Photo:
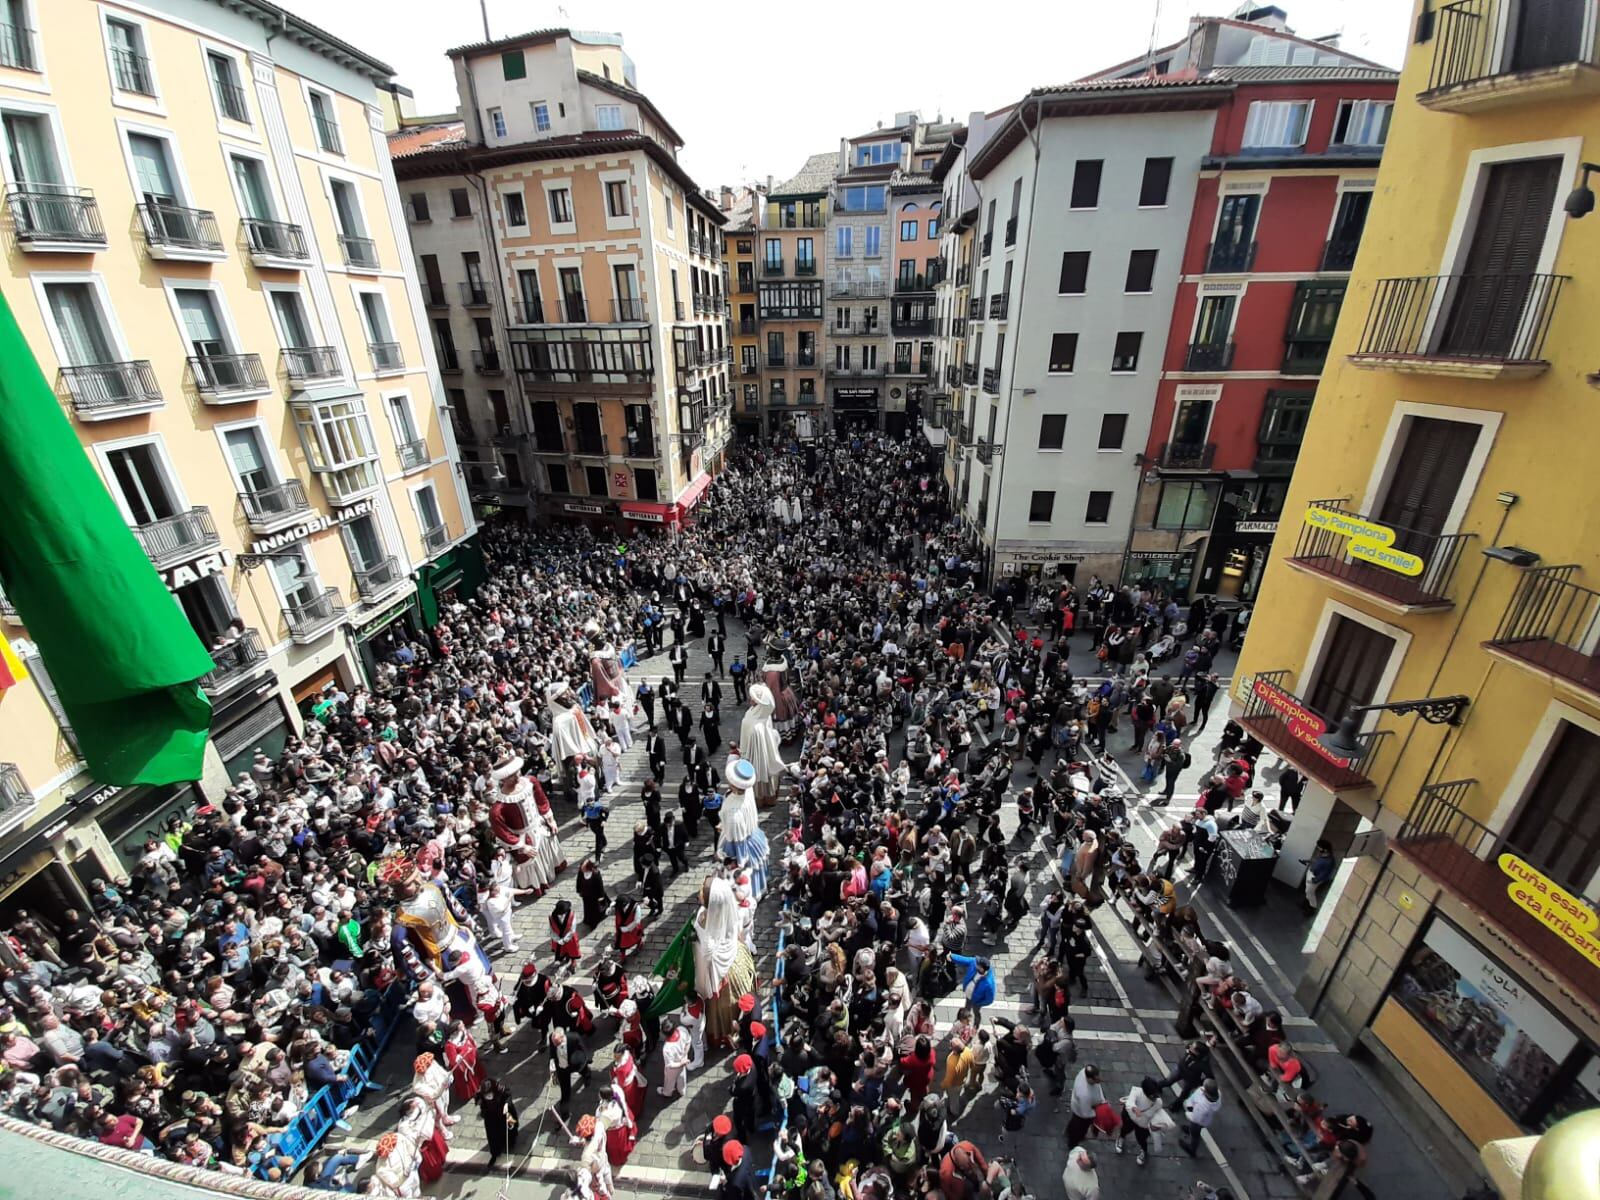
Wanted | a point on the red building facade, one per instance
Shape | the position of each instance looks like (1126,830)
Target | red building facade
(1277,219)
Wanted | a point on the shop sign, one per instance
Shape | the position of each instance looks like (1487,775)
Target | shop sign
(1303,724)
(1158,555)
(94,795)
(583,508)
(185,574)
(1563,914)
(266,545)
(1255,527)
(656,517)
(1369,541)
(46,834)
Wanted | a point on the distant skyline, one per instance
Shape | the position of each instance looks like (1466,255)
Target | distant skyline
(754,92)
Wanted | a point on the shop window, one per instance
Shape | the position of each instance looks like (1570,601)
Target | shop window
(1186,504)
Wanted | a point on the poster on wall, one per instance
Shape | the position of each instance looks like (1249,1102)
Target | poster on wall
(1489,1020)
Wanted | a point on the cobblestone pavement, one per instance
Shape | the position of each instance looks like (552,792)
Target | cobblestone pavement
(1125,1025)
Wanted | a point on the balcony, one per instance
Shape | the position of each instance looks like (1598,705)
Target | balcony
(187,234)
(1208,356)
(988,243)
(905,367)
(1186,456)
(865,289)
(627,311)
(1280,720)
(591,445)
(435,540)
(178,538)
(984,452)
(1465,326)
(310,619)
(308,364)
(858,329)
(912,325)
(991,380)
(749,368)
(1339,254)
(639,443)
(1304,356)
(235,662)
(771,267)
(413,455)
(858,370)
(747,286)
(969,373)
(1011,231)
(106,390)
(487,362)
(275,244)
(474,293)
(1230,258)
(16,47)
(16,801)
(958,327)
(327,134)
(449,362)
(1276,459)
(747,326)
(1489,55)
(908,281)
(805,266)
(1552,626)
(271,508)
(1344,550)
(378,580)
(999,307)
(386,358)
(228,378)
(132,72)
(1463,855)
(51,217)
(433,295)
(975,308)
(360,253)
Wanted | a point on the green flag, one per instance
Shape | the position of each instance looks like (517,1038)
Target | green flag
(676,969)
(121,655)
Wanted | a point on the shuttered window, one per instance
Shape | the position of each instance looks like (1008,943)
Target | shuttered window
(1426,479)
(1354,657)
(1558,829)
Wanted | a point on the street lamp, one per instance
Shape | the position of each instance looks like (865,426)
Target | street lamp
(1436,710)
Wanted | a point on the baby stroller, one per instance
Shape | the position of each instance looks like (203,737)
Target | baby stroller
(1163,648)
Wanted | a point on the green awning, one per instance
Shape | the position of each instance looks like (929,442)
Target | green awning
(461,567)
(123,659)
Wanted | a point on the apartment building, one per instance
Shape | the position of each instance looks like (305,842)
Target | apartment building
(207,255)
(1283,197)
(915,206)
(1424,649)
(739,265)
(579,295)
(790,236)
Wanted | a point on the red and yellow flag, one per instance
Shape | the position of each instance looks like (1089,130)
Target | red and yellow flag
(12,672)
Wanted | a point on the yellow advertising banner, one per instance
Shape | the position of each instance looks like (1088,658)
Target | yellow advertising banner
(1385,556)
(1369,541)
(1567,916)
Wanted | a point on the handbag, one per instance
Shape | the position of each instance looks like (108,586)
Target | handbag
(1106,1119)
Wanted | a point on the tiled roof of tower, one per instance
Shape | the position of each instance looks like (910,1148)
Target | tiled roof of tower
(634,94)
(1135,83)
(816,176)
(531,38)
(426,137)
(1304,74)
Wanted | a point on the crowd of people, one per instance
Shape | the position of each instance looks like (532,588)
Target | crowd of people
(197,1007)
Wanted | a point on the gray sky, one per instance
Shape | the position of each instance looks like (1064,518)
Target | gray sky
(754,89)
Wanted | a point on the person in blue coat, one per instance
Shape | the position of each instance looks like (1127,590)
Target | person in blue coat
(978,982)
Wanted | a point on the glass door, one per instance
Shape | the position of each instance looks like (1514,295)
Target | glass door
(250,465)
(143,483)
(77,319)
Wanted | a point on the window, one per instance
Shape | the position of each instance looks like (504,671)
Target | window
(571,283)
(1098,510)
(1349,220)
(1186,504)
(1052,431)
(325,123)
(1125,355)
(253,467)
(1141,271)
(337,439)
(557,474)
(872,242)
(449,359)
(385,350)
(1362,123)
(1430,467)
(1113,428)
(1040,507)
(203,327)
(1074,272)
(1558,827)
(560,206)
(516,210)
(863,198)
(528,295)
(617,197)
(460,202)
(1157,178)
(130,62)
(644,483)
(1353,660)
(225,86)
(1283,426)
(933,228)
(142,482)
(418,202)
(908,231)
(877,154)
(1312,318)
(497,122)
(81,325)
(513,65)
(594,480)
(541,116)
(1232,248)
(1277,124)
(608,116)
(773,256)
(1063,352)
(294,329)
(429,519)
(843,242)
(1086,183)
(805,256)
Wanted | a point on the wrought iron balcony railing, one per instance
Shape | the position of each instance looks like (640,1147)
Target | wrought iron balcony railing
(436,539)
(1208,356)
(991,380)
(1339,254)
(268,508)
(305,364)
(236,661)
(999,307)
(1282,720)
(169,227)
(379,579)
(275,241)
(184,535)
(1341,547)
(413,454)
(1477,41)
(52,214)
(359,252)
(1553,625)
(1187,456)
(386,356)
(223,377)
(310,620)
(1230,258)
(1490,319)
(474,294)
(106,389)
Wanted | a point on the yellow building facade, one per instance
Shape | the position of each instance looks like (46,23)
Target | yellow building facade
(1439,544)
(203,245)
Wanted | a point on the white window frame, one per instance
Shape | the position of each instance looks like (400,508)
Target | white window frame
(102,295)
(241,69)
(307,310)
(269,459)
(1202,293)
(505,212)
(1077,349)
(1475,179)
(417,489)
(119,98)
(331,175)
(1388,458)
(1530,767)
(629,219)
(219,305)
(1372,105)
(497,121)
(306,89)
(1391,670)
(22,79)
(1122,449)
(52,116)
(1271,106)
(102,453)
(388,398)
(357,290)
(313,575)
(231,152)
(844,242)
(1190,391)
(1123,371)
(180,173)
(564,183)
(533,111)
(557,265)
(599,122)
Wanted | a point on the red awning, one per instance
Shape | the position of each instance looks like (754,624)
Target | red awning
(651,513)
(691,494)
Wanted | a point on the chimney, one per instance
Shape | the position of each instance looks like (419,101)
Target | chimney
(769,184)
(727,198)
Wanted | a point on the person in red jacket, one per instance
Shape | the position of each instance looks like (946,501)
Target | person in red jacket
(917,1068)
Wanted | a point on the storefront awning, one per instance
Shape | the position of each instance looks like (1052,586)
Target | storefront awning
(649,512)
(690,496)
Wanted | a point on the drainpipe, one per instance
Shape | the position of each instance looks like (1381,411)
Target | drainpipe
(1016,342)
